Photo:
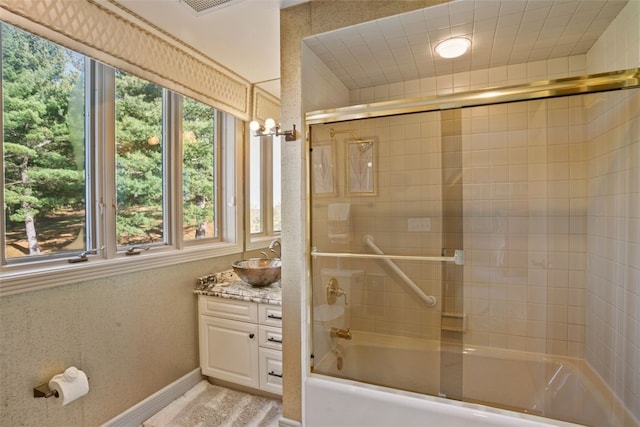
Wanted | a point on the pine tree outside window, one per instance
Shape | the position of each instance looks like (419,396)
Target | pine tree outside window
(43,96)
(200,147)
(99,164)
(140,195)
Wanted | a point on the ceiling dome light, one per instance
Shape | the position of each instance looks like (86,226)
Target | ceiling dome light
(452,48)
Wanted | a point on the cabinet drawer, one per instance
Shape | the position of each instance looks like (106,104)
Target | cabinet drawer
(270,337)
(270,315)
(270,370)
(244,311)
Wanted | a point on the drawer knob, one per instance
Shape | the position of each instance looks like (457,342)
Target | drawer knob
(251,336)
(273,374)
(271,339)
(273,316)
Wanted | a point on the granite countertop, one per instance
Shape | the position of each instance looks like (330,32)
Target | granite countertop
(227,284)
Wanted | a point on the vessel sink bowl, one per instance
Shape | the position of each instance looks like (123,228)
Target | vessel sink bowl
(258,272)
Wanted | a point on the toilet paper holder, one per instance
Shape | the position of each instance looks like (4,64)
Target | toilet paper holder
(43,390)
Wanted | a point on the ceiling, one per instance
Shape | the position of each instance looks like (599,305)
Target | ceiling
(502,32)
(244,36)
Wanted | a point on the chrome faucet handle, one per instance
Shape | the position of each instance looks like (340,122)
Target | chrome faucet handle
(272,247)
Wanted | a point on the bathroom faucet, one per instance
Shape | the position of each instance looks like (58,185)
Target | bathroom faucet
(334,291)
(276,243)
(340,333)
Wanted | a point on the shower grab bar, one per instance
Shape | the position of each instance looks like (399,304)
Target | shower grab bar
(430,300)
(457,259)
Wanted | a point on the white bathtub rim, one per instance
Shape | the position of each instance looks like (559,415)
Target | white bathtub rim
(405,342)
(589,374)
(470,409)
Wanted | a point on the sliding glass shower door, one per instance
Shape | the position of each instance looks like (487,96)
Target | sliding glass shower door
(449,251)
(386,233)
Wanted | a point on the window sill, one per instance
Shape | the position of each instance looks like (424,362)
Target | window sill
(34,279)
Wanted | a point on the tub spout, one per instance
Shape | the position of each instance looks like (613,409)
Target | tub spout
(341,333)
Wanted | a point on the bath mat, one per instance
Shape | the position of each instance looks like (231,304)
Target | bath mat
(208,405)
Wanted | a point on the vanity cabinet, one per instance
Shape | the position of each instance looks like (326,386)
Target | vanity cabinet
(241,342)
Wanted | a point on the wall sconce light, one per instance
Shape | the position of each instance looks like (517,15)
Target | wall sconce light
(270,127)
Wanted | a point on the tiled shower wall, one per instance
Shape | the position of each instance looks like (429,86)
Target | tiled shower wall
(407,164)
(524,195)
(524,175)
(613,242)
(498,314)
(613,228)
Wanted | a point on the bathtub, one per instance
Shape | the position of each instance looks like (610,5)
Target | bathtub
(523,389)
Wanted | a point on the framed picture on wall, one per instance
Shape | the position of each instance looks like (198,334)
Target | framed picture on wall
(323,171)
(361,168)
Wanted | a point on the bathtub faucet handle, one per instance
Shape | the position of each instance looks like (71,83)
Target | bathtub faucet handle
(334,291)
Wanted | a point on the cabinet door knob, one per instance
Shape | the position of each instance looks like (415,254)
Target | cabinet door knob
(251,336)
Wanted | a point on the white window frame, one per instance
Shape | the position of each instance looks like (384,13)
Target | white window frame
(46,272)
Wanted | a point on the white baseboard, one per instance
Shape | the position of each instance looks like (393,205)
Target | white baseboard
(288,422)
(136,415)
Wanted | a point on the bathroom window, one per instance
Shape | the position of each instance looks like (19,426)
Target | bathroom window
(200,156)
(264,189)
(140,160)
(100,164)
(44,180)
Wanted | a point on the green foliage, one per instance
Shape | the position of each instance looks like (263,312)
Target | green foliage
(44,143)
(59,188)
(138,113)
(139,179)
(42,90)
(198,165)
(139,175)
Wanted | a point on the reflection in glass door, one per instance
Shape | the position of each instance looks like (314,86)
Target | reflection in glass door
(382,249)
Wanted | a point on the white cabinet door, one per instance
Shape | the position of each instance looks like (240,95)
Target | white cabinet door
(229,350)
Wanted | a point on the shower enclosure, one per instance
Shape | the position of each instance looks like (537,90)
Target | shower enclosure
(470,247)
